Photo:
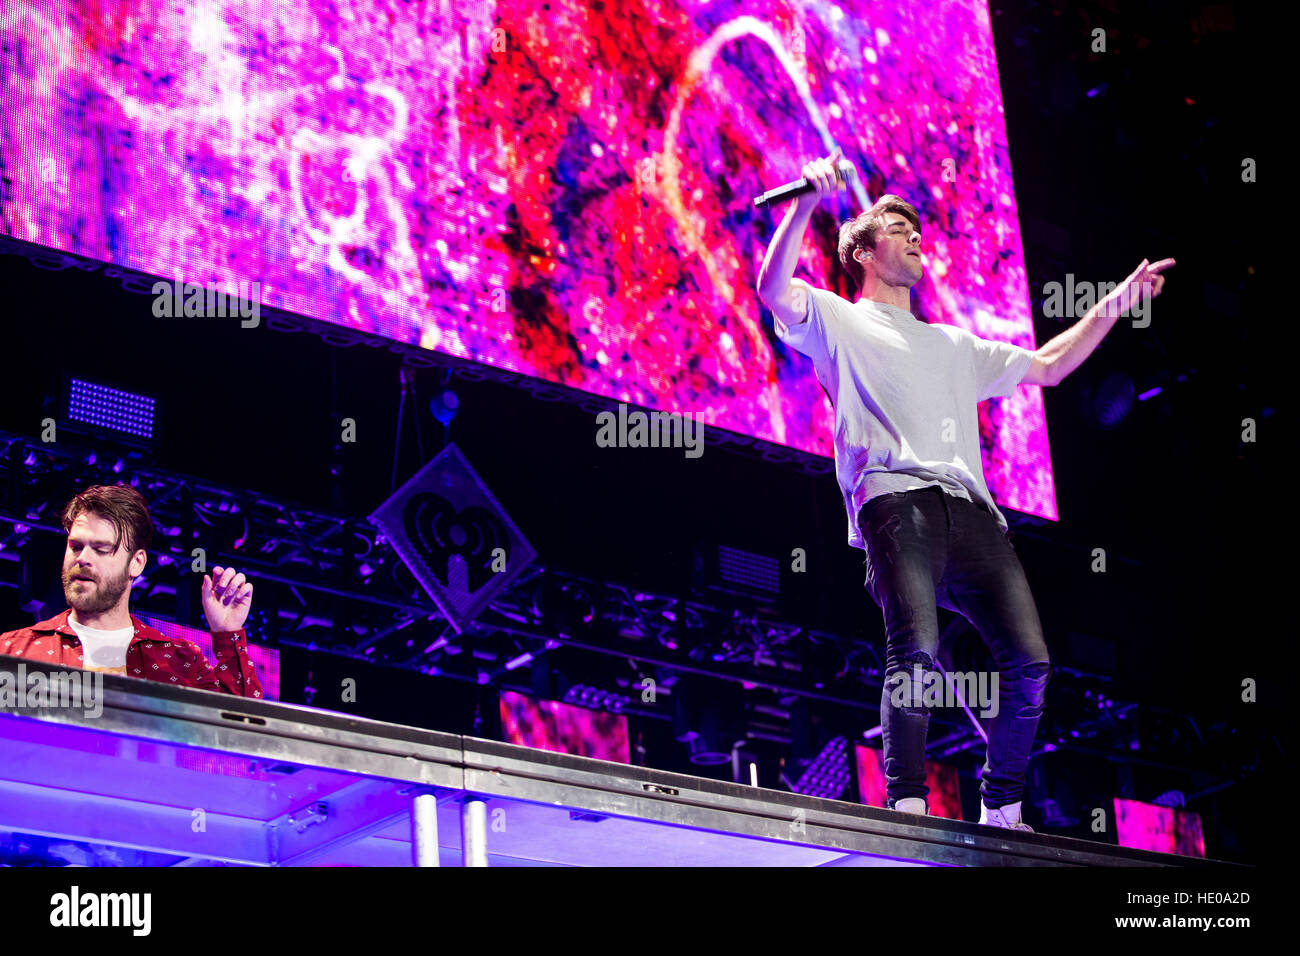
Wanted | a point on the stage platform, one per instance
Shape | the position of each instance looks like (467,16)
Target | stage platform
(168,776)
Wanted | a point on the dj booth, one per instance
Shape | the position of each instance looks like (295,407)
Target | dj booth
(160,775)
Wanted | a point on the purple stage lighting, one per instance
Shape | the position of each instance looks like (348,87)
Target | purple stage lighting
(111,409)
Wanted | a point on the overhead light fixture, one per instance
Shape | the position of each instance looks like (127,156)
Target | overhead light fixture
(111,412)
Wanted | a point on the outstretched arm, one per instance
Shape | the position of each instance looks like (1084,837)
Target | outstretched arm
(1066,352)
(227,599)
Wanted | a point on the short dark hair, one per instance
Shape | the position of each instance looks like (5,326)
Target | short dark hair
(861,231)
(120,505)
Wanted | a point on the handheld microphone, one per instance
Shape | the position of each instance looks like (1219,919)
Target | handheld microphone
(799,187)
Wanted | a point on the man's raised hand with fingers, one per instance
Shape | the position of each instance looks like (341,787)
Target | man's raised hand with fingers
(787,301)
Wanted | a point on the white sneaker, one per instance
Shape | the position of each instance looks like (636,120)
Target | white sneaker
(912,805)
(1007,817)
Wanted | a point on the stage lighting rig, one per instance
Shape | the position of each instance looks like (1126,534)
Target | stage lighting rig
(709,717)
(596,698)
(111,414)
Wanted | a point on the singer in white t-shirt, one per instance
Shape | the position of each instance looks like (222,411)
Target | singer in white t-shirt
(914,492)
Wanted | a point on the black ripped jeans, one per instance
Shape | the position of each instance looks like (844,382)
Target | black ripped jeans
(926,547)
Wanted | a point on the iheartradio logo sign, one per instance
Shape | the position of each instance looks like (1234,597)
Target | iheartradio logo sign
(454,537)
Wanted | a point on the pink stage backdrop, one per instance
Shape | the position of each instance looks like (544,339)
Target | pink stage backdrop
(563,728)
(945,791)
(562,190)
(1163,829)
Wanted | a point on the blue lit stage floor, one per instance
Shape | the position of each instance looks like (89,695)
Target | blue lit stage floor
(170,776)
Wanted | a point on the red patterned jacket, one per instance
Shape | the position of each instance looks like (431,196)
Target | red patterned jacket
(151,655)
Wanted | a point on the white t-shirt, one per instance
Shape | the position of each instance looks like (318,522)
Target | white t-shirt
(103,650)
(904,394)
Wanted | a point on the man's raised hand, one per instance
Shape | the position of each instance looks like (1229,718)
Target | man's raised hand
(825,176)
(1143,284)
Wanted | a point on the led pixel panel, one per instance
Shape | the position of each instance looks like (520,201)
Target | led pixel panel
(560,190)
(563,728)
(945,791)
(112,409)
(1146,826)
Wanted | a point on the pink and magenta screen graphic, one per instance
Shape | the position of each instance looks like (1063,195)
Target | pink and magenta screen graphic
(563,728)
(1147,826)
(944,799)
(560,190)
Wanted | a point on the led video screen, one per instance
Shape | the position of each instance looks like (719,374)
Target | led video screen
(1146,826)
(563,728)
(945,792)
(562,190)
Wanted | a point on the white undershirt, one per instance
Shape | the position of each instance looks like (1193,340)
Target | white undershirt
(103,650)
